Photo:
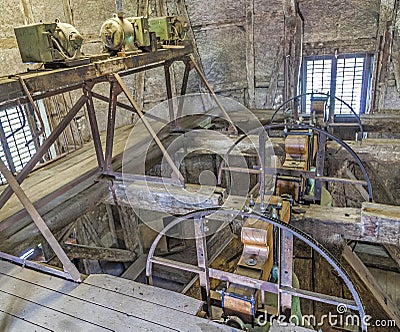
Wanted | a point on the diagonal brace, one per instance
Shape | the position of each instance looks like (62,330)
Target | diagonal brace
(37,219)
(153,134)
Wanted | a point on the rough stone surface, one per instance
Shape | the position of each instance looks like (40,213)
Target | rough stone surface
(220,32)
(339,20)
(200,12)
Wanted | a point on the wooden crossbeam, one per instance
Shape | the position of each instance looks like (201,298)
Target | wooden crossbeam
(98,253)
(394,253)
(369,281)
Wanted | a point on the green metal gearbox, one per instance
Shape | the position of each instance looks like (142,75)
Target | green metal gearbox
(48,42)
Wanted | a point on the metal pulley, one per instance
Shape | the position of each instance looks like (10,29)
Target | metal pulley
(67,40)
(117,34)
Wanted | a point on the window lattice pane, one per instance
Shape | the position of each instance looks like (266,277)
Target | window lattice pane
(318,78)
(18,137)
(349,83)
(349,72)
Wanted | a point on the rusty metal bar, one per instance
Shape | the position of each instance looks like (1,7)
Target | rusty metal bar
(39,222)
(127,107)
(6,194)
(320,162)
(242,170)
(167,73)
(94,128)
(166,155)
(115,90)
(208,86)
(35,109)
(314,296)
(117,176)
(34,266)
(188,68)
(46,83)
(6,149)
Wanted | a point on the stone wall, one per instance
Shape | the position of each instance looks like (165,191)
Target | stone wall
(230,36)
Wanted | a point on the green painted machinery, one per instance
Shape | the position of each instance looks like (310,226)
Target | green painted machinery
(48,42)
(169,29)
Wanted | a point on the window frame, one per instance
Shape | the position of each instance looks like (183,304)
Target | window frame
(365,85)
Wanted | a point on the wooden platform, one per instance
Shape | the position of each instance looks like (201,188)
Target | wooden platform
(33,301)
(59,173)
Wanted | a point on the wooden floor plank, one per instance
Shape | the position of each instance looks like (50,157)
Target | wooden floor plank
(75,307)
(153,294)
(55,175)
(9,322)
(43,316)
(108,301)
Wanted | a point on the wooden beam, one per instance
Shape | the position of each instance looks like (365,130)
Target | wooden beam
(381,222)
(250,59)
(170,199)
(98,253)
(369,281)
(375,223)
(387,123)
(394,253)
(16,239)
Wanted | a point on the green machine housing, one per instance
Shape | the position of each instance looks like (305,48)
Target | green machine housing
(34,42)
(141,30)
(48,42)
(168,28)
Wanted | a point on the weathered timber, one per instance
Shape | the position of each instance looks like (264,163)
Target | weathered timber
(387,123)
(373,223)
(369,281)
(58,217)
(43,82)
(381,222)
(380,150)
(98,253)
(250,59)
(136,268)
(377,262)
(394,253)
(170,199)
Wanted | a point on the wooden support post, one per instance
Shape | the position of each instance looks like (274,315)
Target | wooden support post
(202,261)
(285,271)
(111,224)
(37,219)
(369,281)
(293,50)
(250,60)
(90,230)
